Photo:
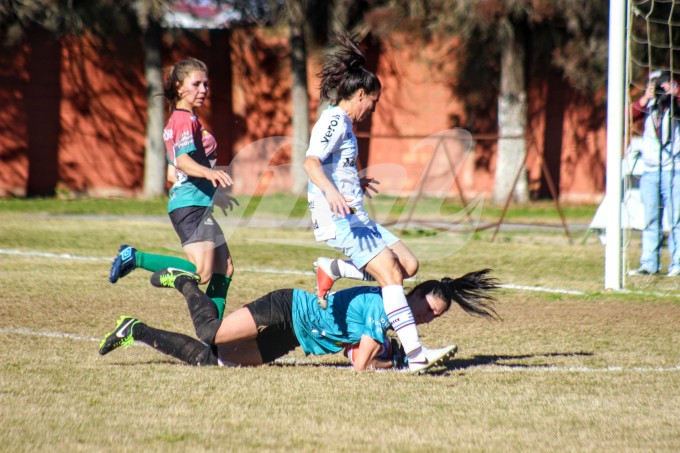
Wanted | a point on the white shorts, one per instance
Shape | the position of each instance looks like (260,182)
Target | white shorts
(360,240)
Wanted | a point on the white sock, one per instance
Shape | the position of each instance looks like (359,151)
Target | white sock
(400,316)
(348,270)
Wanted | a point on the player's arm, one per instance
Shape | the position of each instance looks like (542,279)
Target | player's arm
(314,169)
(365,357)
(218,178)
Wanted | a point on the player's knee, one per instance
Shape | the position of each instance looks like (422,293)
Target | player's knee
(393,275)
(412,267)
(205,274)
(206,332)
(204,357)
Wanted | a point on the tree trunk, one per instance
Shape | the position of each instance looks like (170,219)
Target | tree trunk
(43,99)
(155,165)
(299,95)
(512,113)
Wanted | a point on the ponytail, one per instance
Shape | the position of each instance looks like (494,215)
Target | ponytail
(472,292)
(343,72)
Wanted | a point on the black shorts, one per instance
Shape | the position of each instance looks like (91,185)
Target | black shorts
(273,315)
(196,224)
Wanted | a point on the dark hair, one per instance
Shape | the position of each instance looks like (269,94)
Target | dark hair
(471,292)
(176,76)
(343,72)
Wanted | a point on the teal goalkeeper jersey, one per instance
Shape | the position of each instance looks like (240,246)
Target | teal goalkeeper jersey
(351,313)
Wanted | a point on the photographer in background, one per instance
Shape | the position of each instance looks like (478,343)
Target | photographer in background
(660,181)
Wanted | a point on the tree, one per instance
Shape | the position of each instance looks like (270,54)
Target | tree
(149,15)
(504,37)
(299,91)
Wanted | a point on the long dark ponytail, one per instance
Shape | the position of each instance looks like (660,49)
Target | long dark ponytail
(343,72)
(472,291)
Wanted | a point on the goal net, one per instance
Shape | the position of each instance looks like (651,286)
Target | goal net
(652,46)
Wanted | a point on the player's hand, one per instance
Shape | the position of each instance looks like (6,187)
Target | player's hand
(225,201)
(219,178)
(337,203)
(367,184)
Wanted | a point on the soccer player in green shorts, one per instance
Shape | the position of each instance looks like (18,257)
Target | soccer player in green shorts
(275,324)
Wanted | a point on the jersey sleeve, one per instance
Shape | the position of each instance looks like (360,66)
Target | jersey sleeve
(326,136)
(179,139)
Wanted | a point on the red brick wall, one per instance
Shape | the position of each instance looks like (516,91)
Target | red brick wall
(102,111)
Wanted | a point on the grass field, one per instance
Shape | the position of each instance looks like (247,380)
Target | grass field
(570,367)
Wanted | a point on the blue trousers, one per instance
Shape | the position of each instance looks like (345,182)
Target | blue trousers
(660,193)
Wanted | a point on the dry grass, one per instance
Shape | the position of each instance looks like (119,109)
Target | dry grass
(592,372)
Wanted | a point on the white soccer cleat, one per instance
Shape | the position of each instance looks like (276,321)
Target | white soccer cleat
(432,357)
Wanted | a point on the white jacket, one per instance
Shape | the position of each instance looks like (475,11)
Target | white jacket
(652,152)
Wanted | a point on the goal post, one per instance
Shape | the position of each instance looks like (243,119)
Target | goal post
(616,95)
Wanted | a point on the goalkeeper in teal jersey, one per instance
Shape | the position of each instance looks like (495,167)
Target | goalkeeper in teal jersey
(275,324)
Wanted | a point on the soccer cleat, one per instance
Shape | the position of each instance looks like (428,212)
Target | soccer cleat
(324,280)
(168,278)
(122,264)
(433,357)
(121,336)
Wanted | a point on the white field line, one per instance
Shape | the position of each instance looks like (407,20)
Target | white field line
(275,271)
(295,361)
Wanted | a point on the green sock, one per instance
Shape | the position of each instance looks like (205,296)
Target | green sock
(217,291)
(154,263)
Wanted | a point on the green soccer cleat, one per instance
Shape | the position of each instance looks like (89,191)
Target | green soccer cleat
(170,277)
(121,336)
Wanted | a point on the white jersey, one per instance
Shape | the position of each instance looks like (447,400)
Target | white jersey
(334,144)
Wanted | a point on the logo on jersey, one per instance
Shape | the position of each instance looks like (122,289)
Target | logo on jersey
(348,162)
(167,135)
(335,120)
(310,204)
(185,140)
(315,225)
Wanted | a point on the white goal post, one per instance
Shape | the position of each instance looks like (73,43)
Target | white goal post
(616,95)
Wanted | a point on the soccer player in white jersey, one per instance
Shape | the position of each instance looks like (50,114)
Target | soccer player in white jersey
(335,196)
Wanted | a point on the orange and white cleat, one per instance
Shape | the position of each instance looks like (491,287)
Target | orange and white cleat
(324,279)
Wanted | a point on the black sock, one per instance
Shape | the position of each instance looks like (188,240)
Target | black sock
(177,345)
(202,309)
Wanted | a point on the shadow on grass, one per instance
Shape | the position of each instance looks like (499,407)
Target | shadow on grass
(482,360)
(451,366)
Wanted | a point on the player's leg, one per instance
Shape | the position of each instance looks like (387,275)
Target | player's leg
(177,345)
(202,254)
(129,259)
(329,270)
(388,273)
(209,327)
(202,309)
(240,353)
(223,270)
(408,263)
